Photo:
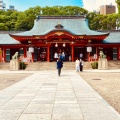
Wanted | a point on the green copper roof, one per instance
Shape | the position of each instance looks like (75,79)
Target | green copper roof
(114,37)
(76,26)
(6,39)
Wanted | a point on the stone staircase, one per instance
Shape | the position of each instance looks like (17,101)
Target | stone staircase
(52,66)
(114,64)
(36,66)
(4,66)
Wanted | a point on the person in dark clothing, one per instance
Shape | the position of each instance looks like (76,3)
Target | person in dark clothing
(61,57)
(81,65)
(59,66)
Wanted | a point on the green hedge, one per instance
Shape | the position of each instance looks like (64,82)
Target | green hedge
(22,65)
(94,65)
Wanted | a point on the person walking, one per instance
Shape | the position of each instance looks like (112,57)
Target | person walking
(60,56)
(81,65)
(81,55)
(63,56)
(59,66)
(77,65)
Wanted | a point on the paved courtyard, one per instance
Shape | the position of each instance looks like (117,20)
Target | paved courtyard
(45,96)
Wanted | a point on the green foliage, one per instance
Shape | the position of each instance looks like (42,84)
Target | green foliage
(103,22)
(94,65)
(8,19)
(15,20)
(118,5)
(119,9)
(22,65)
(3,27)
(66,10)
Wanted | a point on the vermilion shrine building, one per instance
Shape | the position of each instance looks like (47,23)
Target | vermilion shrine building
(70,34)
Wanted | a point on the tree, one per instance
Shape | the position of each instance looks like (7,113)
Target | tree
(8,18)
(15,20)
(103,22)
(21,23)
(25,20)
(3,27)
(118,5)
(66,10)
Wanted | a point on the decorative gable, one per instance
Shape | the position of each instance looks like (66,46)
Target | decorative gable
(59,26)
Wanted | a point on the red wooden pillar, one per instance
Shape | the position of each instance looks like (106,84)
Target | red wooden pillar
(118,54)
(1,52)
(88,54)
(72,49)
(33,56)
(4,53)
(97,52)
(48,53)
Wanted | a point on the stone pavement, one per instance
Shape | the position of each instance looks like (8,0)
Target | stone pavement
(45,96)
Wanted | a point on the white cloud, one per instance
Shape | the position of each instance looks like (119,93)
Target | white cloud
(89,5)
(95,4)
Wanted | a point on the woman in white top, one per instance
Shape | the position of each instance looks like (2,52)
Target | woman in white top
(77,63)
(55,56)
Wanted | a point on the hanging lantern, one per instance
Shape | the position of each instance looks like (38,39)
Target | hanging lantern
(64,44)
(89,46)
(29,41)
(89,49)
(31,49)
(56,45)
(72,42)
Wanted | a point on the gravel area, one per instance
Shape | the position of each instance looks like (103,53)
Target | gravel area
(107,85)
(8,79)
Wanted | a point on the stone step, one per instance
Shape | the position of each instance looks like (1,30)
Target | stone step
(52,66)
(114,64)
(35,66)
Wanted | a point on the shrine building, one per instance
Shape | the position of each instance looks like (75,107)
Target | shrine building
(51,34)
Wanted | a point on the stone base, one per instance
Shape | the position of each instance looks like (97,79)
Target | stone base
(102,64)
(14,64)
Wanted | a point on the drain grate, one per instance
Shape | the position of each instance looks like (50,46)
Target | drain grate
(96,79)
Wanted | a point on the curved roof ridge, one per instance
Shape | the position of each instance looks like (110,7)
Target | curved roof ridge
(112,38)
(76,26)
(51,30)
(6,39)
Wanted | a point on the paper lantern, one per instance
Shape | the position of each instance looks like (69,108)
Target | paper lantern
(31,49)
(56,45)
(89,49)
(64,44)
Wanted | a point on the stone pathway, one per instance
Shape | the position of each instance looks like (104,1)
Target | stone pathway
(45,96)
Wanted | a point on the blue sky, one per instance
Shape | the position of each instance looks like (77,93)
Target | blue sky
(22,5)
(90,5)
